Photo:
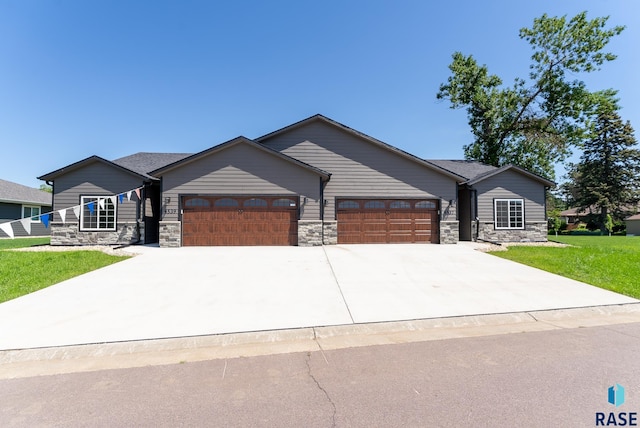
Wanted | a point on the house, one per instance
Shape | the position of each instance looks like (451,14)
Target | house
(17,202)
(315,182)
(633,225)
(577,214)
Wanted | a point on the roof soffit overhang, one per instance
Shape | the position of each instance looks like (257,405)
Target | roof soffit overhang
(24,202)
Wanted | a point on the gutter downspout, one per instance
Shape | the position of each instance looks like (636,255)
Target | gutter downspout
(142,211)
(323,183)
(475,212)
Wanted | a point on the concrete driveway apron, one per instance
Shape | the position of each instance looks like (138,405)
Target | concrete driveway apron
(199,291)
(402,282)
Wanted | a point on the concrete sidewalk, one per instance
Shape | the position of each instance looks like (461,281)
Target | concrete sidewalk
(183,292)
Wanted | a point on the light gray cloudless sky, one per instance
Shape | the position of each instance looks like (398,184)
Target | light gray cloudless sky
(115,77)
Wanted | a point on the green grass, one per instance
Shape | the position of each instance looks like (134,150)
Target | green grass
(609,262)
(6,244)
(25,272)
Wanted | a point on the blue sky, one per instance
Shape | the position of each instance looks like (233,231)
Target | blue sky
(112,78)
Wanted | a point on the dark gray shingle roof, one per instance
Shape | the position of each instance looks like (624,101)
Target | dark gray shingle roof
(14,192)
(465,168)
(145,162)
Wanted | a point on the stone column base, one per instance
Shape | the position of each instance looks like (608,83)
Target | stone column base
(170,234)
(449,232)
(309,233)
(330,232)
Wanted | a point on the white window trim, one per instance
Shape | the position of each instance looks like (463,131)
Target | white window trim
(97,208)
(37,220)
(495,213)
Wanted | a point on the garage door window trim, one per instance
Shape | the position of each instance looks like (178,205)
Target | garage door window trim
(399,205)
(196,202)
(284,202)
(255,202)
(374,205)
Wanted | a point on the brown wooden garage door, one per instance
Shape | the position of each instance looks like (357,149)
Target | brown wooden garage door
(372,221)
(228,220)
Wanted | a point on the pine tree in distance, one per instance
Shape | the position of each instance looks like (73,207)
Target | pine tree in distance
(608,174)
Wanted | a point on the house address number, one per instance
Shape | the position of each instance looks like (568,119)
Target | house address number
(171,211)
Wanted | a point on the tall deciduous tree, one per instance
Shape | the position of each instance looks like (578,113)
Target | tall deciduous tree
(535,122)
(608,174)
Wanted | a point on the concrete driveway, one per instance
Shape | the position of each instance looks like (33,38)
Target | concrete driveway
(199,291)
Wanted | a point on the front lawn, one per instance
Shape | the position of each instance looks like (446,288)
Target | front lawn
(610,262)
(6,244)
(23,272)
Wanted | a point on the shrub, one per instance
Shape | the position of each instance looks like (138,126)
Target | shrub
(619,226)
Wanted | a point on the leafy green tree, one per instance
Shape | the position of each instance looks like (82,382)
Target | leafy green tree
(46,188)
(535,122)
(608,224)
(554,205)
(608,173)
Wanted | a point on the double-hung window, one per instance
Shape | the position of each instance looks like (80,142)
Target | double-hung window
(33,212)
(98,214)
(509,213)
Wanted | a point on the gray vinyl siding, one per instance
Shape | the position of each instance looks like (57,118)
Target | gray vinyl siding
(511,185)
(241,170)
(11,212)
(360,168)
(95,179)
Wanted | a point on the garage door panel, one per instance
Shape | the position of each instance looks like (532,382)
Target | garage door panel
(211,225)
(387,221)
(401,239)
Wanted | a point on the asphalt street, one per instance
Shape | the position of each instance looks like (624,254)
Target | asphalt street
(532,379)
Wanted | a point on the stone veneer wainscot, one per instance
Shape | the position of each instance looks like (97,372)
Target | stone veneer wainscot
(69,234)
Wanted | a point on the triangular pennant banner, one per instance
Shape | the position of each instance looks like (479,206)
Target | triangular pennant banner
(45,220)
(26,224)
(92,207)
(129,195)
(138,193)
(101,203)
(113,199)
(76,211)
(6,228)
(63,215)
(121,197)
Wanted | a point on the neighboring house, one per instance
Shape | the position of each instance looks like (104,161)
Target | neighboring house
(313,182)
(572,216)
(576,215)
(18,201)
(633,225)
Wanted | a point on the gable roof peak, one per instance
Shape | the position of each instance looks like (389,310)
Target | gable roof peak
(235,141)
(363,136)
(94,158)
